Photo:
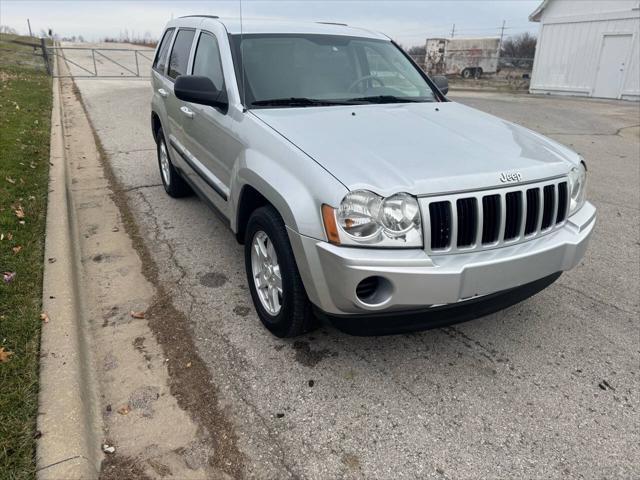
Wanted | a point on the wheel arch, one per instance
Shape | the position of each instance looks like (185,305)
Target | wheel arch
(156,125)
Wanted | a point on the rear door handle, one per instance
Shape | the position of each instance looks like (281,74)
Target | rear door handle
(188,113)
(163,93)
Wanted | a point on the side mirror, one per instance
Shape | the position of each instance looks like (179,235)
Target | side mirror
(200,90)
(442,83)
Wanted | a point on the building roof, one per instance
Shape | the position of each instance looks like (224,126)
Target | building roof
(537,13)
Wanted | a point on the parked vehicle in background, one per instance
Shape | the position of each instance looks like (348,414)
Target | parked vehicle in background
(359,191)
(468,57)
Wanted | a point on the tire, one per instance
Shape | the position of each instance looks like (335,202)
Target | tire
(295,315)
(173,183)
(467,73)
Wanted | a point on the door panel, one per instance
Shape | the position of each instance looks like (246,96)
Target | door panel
(208,136)
(177,64)
(612,66)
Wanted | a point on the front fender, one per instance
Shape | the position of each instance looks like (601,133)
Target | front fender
(296,186)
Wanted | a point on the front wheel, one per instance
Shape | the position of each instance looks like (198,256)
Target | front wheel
(274,281)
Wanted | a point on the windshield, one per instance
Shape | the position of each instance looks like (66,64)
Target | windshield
(300,70)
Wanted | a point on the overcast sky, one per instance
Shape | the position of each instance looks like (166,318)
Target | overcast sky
(408,22)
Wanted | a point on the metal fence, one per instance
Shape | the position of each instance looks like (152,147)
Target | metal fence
(82,62)
(93,62)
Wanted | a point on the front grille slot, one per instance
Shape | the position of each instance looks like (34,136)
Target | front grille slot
(513,215)
(548,209)
(467,221)
(473,221)
(440,213)
(490,218)
(533,210)
(562,202)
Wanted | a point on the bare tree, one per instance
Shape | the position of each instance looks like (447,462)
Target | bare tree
(418,53)
(8,29)
(519,50)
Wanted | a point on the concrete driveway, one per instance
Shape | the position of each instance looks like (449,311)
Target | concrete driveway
(545,389)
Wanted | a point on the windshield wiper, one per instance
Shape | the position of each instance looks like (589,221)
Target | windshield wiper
(297,102)
(385,99)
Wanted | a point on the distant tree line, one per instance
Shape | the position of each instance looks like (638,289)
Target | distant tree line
(519,49)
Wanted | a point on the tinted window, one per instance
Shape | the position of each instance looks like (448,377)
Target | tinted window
(180,54)
(207,60)
(161,58)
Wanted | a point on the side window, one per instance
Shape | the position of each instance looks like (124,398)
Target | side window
(161,57)
(207,61)
(180,53)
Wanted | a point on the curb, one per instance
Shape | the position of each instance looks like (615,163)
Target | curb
(68,420)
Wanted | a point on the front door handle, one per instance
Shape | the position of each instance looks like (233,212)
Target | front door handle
(188,113)
(163,93)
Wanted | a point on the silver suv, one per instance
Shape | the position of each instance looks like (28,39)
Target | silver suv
(360,192)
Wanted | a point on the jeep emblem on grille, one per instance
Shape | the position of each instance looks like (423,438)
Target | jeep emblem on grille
(510,177)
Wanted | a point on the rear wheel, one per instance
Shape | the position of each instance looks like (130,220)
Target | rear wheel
(173,183)
(274,281)
(467,73)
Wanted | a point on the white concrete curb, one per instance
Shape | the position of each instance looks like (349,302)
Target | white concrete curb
(68,415)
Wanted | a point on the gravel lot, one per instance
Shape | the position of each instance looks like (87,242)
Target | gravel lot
(545,389)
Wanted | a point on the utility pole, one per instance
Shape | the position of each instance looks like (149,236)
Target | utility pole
(501,36)
(453,30)
(29,23)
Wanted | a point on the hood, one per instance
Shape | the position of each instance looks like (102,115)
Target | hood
(419,148)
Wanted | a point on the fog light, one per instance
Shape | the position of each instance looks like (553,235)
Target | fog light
(374,290)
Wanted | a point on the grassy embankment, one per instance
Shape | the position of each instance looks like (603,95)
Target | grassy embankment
(25,113)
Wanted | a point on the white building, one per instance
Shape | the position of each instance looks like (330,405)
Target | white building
(588,48)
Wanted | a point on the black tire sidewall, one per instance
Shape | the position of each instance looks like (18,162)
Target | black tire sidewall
(266,219)
(162,140)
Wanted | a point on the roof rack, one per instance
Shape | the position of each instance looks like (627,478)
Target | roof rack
(334,23)
(200,16)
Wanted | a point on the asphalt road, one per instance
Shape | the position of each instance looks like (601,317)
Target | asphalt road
(546,389)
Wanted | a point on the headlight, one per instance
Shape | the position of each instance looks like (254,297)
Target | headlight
(577,187)
(365,218)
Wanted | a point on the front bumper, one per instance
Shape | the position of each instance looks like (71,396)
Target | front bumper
(414,280)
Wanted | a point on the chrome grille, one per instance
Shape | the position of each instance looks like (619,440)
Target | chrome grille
(486,219)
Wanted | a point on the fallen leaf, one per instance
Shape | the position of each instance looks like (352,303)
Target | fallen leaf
(124,410)
(10,180)
(9,236)
(16,249)
(4,355)
(44,317)
(189,365)
(1,236)
(8,277)
(19,212)
(138,315)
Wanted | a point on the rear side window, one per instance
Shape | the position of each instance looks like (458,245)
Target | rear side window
(180,54)
(207,60)
(161,57)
